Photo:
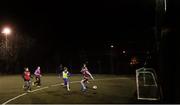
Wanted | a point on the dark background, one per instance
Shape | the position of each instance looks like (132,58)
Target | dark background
(75,32)
(86,28)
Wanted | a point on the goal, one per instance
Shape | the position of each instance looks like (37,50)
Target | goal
(146,82)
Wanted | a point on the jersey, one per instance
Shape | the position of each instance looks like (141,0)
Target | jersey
(65,74)
(27,75)
(37,72)
(84,72)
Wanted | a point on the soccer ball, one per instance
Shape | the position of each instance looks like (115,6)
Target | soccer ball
(94,87)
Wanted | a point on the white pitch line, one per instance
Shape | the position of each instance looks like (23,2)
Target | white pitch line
(75,82)
(39,89)
(62,83)
(23,95)
(109,79)
(14,98)
(53,85)
(90,80)
(56,85)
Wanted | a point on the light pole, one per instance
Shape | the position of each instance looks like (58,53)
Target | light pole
(111,58)
(6,31)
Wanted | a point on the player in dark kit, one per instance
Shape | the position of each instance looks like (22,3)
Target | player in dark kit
(86,74)
(60,70)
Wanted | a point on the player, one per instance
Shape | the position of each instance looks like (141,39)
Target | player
(27,78)
(66,75)
(59,70)
(86,74)
(38,75)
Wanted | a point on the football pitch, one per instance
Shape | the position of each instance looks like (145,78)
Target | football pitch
(110,89)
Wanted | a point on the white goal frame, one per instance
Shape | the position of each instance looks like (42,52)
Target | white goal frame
(150,71)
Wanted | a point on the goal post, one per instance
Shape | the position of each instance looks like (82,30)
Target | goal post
(146,82)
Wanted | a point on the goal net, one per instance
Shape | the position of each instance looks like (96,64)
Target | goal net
(146,82)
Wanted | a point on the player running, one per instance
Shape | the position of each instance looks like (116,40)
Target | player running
(86,74)
(27,78)
(37,74)
(66,75)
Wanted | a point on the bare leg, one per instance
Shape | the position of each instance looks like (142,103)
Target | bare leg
(83,85)
(68,86)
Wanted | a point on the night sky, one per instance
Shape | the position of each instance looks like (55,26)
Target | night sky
(105,19)
(66,27)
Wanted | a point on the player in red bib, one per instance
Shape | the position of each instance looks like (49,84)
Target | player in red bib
(86,74)
(27,78)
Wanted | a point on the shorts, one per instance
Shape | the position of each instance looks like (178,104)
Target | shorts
(65,81)
(85,79)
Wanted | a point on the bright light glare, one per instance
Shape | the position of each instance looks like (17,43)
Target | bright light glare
(111,46)
(6,31)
